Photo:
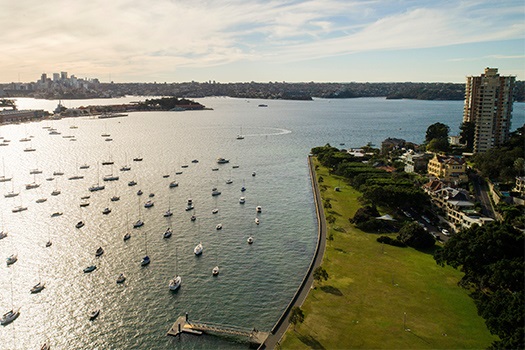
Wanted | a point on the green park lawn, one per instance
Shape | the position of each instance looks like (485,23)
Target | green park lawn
(375,291)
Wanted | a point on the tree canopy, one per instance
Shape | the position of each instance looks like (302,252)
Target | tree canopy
(492,260)
(437,131)
(413,235)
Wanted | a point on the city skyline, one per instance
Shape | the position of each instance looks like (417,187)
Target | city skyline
(235,41)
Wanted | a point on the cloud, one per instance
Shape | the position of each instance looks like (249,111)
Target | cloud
(127,37)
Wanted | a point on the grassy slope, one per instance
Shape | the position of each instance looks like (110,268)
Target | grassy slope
(371,286)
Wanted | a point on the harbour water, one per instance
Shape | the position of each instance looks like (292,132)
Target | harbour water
(255,282)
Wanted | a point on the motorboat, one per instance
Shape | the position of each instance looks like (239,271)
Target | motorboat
(110,177)
(56,213)
(184,166)
(132,183)
(178,172)
(35,171)
(79,224)
(29,149)
(58,173)
(94,314)
(174,184)
(193,218)
(145,261)
(108,162)
(214,169)
(18,209)
(221,160)
(151,195)
(127,236)
(84,166)
(258,209)
(218,227)
(55,192)
(49,244)
(85,197)
(90,268)
(139,193)
(106,211)
(96,187)
(115,198)
(250,240)
(41,200)
(48,179)
(215,211)
(84,204)
(215,271)
(11,194)
(11,259)
(148,204)
(257,221)
(198,249)
(125,168)
(75,177)
(121,278)
(32,185)
(37,288)
(3,234)
(254,173)
(243,189)
(235,166)
(189,207)
(137,159)
(139,223)
(229,181)
(168,233)
(175,283)
(166,176)
(168,213)
(99,251)
(215,192)
(195,161)
(9,317)
(242,200)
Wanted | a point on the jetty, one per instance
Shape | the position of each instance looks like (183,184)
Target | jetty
(184,325)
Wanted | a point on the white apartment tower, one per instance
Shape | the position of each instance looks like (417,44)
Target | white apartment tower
(488,104)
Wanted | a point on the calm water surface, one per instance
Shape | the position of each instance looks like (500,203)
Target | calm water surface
(256,281)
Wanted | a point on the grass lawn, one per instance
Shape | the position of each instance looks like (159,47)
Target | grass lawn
(375,291)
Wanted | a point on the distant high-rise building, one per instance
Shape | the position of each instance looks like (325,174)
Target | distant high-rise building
(56,77)
(43,78)
(488,105)
(63,75)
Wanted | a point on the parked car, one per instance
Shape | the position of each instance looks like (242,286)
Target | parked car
(445,232)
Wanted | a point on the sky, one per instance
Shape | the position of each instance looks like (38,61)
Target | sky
(261,40)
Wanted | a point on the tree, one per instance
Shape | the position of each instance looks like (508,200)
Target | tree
(296,316)
(466,136)
(437,131)
(320,274)
(438,145)
(415,236)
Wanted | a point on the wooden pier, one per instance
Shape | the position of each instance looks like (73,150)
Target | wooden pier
(183,325)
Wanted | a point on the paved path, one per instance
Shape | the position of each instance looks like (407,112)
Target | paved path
(282,324)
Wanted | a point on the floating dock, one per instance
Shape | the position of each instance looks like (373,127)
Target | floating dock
(183,325)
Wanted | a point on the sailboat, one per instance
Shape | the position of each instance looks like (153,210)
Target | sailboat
(240,136)
(168,212)
(3,177)
(198,249)
(12,314)
(56,191)
(98,186)
(127,235)
(177,280)
(11,193)
(215,270)
(37,288)
(145,260)
(111,177)
(126,167)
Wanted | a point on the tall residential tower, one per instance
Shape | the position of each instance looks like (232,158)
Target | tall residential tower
(488,104)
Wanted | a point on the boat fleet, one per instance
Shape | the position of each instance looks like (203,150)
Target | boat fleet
(175,282)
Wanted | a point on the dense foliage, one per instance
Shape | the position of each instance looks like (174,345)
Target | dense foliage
(167,103)
(391,241)
(466,135)
(492,258)
(504,163)
(379,187)
(413,235)
(436,138)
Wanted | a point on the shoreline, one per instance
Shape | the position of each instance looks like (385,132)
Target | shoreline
(282,324)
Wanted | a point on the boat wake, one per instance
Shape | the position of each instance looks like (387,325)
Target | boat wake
(278,131)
